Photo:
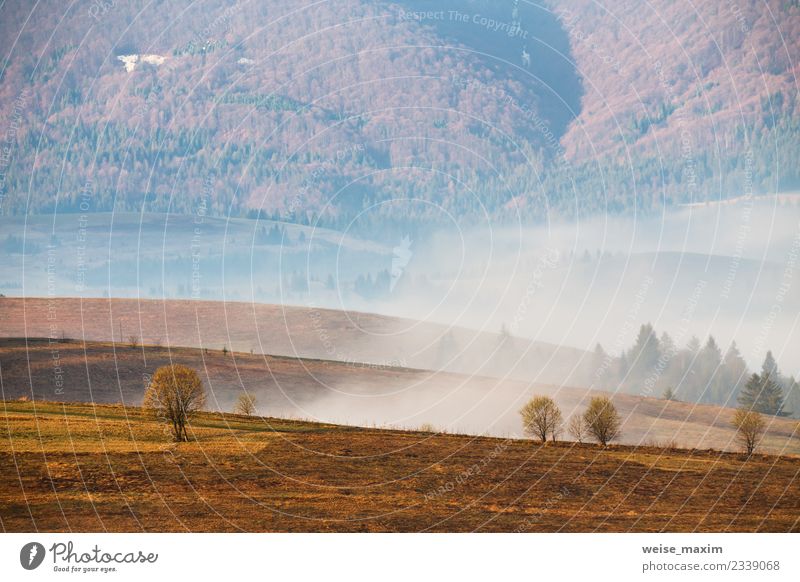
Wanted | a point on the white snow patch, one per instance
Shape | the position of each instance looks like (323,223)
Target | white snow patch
(130,61)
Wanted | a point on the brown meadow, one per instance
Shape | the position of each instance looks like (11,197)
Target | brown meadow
(83,467)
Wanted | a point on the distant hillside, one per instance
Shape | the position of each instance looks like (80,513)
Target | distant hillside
(307,332)
(692,100)
(421,110)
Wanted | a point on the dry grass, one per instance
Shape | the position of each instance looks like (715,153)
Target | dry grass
(83,467)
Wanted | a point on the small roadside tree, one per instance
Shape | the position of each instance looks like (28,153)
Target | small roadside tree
(577,428)
(175,393)
(541,417)
(750,427)
(245,404)
(602,420)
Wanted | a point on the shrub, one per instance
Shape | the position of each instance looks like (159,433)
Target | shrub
(245,404)
(750,427)
(577,428)
(602,420)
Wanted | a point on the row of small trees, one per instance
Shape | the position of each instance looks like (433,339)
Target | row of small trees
(541,418)
(176,393)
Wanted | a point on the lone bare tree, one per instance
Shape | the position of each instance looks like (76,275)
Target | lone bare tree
(541,417)
(602,420)
(750,427)
(245,404)
(175,393)
(577,428)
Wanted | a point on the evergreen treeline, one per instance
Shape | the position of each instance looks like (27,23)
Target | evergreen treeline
(703,373)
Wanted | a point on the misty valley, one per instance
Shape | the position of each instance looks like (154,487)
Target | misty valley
(401,266)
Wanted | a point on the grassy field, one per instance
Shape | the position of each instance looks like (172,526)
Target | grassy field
(82,467)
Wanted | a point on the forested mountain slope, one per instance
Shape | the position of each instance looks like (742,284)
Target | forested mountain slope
(325,109)
(692,100)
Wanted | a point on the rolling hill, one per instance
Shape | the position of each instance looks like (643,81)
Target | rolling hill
(307,332)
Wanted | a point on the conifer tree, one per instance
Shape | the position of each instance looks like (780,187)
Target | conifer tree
(598,369)
(644,354)
(762,394)
(667,345)
(708,378)
(734,375)
(791,402)
(770,367)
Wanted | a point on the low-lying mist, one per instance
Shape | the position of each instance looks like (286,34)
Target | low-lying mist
(726,270)
(729,271)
